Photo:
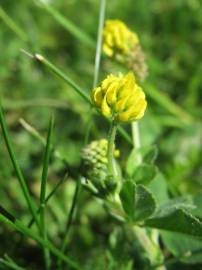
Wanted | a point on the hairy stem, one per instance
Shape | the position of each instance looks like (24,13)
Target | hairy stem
(110,150)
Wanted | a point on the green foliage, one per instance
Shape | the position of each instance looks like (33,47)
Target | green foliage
(137,201)
(176,220)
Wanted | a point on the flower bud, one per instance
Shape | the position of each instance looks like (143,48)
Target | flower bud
(94,156)
(120,98)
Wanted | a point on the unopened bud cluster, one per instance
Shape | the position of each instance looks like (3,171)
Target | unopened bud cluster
(94,157)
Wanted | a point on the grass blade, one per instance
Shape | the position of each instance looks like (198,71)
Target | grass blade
(17,225)
(61,75)
(40,138)
(69,221)
(10,265)
(97,62)
(42,102)
(43,190)
(168,104)
(50,195)
(12,25)
(69,26)
(99,42)
(17,169)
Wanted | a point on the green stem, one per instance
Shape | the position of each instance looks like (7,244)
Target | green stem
(136,135)
(97,62)
(110,150)
(136,138)
(99,42)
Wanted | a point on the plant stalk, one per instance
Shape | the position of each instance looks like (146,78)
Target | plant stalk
(110,150)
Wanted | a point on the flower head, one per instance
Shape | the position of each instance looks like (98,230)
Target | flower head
(120,43)
(120,98)
(117,38)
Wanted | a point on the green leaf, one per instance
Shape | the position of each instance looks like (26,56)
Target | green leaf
(148,155)
(178,220)
(144,173)
(127,196)
(145,204)
(174,204)
(158,187)
(138,203)
(188,248)
(197,200)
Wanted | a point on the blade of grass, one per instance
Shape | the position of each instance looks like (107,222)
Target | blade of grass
(38,136)
(50,195)
(17,169)
(17,225)
(43,191)
(68,25)
(69,221)
(61,75)
(168,104)
(12,25)
(23,104)
(97,63)
(10,265)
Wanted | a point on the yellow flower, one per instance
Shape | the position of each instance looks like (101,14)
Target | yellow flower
(117,38)
(120,98)
(123,45)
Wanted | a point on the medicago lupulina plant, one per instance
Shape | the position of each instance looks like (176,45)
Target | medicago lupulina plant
(124,190)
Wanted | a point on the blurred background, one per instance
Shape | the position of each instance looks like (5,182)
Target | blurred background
(170,34)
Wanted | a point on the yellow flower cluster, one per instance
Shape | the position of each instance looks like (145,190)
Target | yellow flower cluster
(120,98)
(117,38)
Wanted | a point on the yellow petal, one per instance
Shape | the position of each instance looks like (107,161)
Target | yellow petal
(106,82)
(124,116)
(97,96)
(111,93)
(121,104)
(107,50)
(139,110)
(128,85)
(105,109)
(136,96)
